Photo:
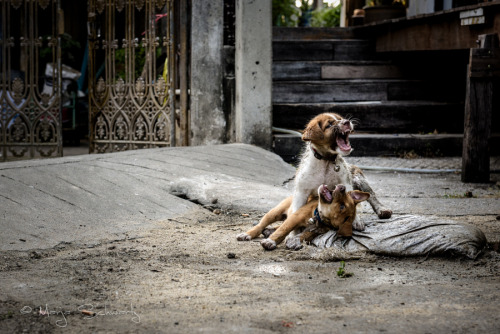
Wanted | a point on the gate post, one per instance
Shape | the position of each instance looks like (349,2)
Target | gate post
(483,68)
(253,105)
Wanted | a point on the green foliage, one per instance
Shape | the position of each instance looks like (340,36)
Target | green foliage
(139,61)
(326,17)
(341,272)
(70,50)
(8,315)
(285,13)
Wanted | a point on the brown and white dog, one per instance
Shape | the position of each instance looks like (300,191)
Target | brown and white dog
(329,210)
(327,141)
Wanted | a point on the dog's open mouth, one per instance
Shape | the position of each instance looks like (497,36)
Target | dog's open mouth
(343,141)
(325,194)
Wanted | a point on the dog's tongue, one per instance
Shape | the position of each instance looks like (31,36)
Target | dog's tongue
(326,194)
(343,143)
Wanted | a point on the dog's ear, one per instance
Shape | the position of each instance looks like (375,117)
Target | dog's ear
(359,196)
(313,132)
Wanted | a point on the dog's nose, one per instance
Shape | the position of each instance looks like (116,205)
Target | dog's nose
(341,188)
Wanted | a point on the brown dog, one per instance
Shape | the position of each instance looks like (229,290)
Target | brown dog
(330,210)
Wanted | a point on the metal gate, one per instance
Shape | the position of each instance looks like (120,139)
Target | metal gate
(132,65)
(30,123)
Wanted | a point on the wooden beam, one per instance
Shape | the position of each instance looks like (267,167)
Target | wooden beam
(478,111)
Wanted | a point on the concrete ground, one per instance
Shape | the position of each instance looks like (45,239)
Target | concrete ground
(145,241)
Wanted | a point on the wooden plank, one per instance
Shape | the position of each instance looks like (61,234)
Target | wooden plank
(328,49)
(360,72)
(357,90)
(386,117)
(307,50)
(484,63)
(328,91)
(296,70)
(478,116)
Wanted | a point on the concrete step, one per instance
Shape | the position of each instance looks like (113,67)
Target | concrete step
(325,91)
(326,49)
(289,146)
(376,116)
(318,70)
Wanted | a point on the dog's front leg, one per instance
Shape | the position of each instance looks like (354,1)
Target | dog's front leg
(359,182)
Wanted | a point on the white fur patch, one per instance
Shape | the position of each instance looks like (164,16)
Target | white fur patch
(313,172)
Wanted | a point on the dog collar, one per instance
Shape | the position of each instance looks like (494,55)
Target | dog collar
(316,218)
(320,157)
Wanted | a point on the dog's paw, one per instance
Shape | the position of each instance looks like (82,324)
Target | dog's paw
(267,232)
(268,244)
(358,225)
(294,243)
(243,237)
(384,213)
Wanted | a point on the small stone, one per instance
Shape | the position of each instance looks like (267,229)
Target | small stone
(35,255)
(231,256)
(217,211)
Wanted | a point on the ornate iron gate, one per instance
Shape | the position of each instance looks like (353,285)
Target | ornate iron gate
(30,124)
(131,74)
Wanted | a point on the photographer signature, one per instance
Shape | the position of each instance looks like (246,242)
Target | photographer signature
(87,310)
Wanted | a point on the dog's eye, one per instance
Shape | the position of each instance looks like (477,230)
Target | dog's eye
(329,125)
(342,206)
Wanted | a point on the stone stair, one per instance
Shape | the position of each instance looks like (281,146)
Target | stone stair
(399,108)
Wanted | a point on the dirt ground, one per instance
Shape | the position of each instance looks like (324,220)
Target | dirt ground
(191,275)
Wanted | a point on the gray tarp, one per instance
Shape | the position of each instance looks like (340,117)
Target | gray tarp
(410,235)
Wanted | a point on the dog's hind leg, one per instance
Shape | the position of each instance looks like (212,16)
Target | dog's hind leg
(359,182)
(276,214)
